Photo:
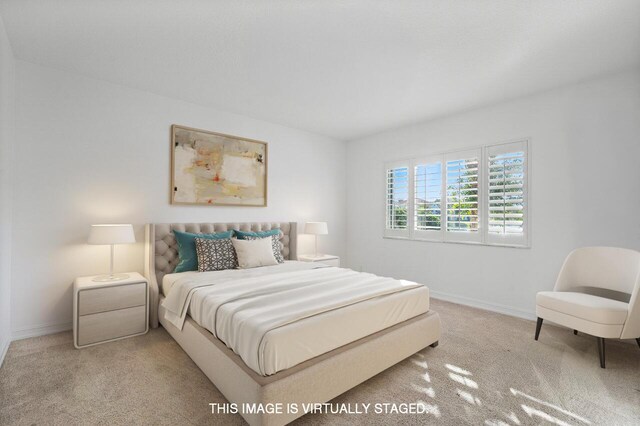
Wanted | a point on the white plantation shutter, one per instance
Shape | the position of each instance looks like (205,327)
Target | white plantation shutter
(506,198)
(398,209)
(478,195)
(463,203)
(427,198)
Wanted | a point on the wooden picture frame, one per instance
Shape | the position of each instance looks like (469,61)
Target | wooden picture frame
(216,169)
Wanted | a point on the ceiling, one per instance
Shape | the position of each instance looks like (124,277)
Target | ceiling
(339,68)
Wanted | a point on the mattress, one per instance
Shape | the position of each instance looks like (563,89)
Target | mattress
(286,339)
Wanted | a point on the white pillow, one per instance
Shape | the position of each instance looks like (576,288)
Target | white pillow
(254,253)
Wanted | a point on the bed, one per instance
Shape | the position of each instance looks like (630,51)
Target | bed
(318,365)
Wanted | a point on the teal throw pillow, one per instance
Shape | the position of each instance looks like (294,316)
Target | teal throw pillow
(187,248)
(243,235)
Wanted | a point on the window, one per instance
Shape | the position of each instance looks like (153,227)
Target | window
(427,198)
(476,196)
(463,202)
(506,193)
(397,211)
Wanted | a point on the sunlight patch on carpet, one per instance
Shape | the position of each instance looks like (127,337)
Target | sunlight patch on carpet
(545,416)
(458,370)
(468,397)
(427,391)
(463,380)
(431,409)
(547,404)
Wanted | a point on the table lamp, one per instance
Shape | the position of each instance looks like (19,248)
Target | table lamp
(315,229)
(111,235)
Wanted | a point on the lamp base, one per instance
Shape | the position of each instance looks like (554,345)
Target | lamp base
(109,278)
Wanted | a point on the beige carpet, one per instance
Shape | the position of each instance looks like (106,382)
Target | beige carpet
(487,370)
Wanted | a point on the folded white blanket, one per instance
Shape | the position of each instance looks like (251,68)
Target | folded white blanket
(177,300)
(240,309)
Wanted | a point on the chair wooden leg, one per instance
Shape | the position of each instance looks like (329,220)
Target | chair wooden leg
(601,350)
(575,332)
(638,341)
(538,327)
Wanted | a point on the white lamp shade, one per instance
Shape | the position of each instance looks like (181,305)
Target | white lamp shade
(316,228)
(111,234)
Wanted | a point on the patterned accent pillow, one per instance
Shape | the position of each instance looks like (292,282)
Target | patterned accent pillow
(275,244)
(215,255)
(187,248)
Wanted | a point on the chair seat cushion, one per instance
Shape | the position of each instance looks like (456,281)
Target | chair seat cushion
(585,306)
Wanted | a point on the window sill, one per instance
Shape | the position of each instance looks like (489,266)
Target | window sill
(471,243)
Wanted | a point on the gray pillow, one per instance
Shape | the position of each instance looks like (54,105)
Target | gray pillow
(275,244)
(215,255)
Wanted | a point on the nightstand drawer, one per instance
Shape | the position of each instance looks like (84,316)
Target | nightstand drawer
(96,328)
(97,300)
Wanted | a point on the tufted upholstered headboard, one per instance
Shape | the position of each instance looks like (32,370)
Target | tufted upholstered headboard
(161,249)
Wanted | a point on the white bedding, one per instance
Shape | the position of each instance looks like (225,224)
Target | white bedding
(278,316)
(169,279)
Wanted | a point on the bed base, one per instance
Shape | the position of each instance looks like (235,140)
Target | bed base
(317,380)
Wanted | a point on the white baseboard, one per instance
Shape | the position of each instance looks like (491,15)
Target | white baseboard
(40,330)
(480,304)
(4,347)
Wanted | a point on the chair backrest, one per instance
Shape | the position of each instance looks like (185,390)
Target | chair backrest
(608,268)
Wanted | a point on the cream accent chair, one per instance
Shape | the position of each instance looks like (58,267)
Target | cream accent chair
(597,293)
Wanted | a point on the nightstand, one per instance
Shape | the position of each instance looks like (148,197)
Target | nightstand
(106,311)
(327,259)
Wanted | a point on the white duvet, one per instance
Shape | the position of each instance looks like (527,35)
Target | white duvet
(278,316)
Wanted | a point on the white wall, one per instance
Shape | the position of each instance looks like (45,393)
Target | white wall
(7,83)
(91,152)
(585,190)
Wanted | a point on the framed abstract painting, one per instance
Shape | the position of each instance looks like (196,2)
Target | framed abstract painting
(211,168)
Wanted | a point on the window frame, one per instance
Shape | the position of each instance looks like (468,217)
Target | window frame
(482,237)
(430,234)
(517,240)
(399,233)
(467,237)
